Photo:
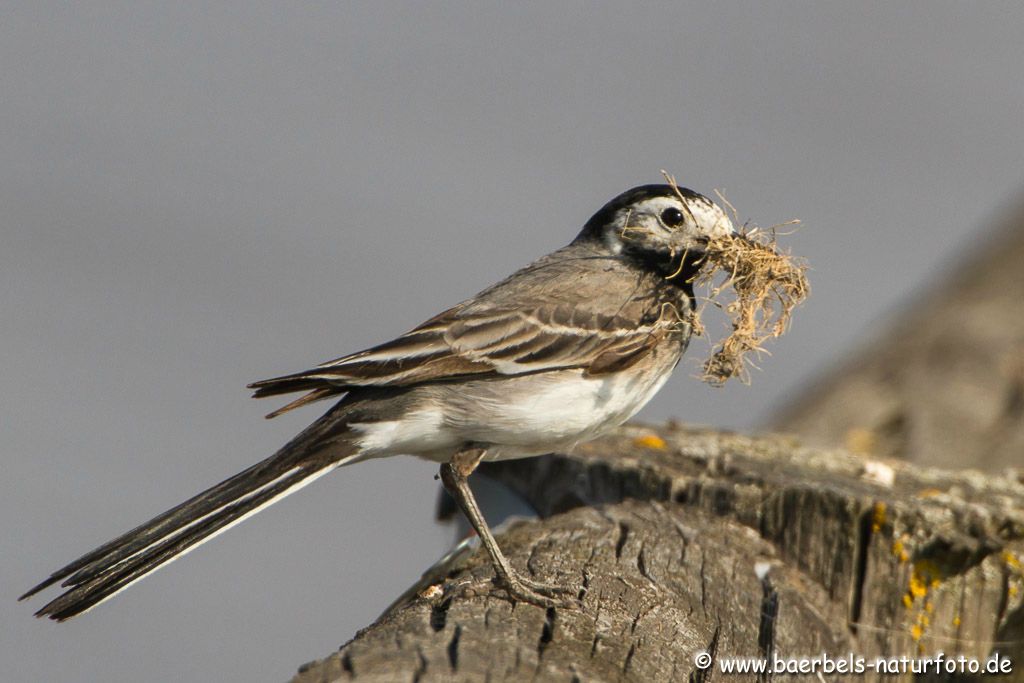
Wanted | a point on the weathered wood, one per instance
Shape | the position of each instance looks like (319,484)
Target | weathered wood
(733,545)
(944,385)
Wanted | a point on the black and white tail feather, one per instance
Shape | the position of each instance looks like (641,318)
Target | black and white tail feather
(99,575)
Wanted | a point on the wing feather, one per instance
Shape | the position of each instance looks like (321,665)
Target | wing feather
(461,343)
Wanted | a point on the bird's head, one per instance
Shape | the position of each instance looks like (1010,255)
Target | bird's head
(660,225)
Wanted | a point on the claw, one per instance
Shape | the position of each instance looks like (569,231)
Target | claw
(520,593)
(549,589)
(522,589)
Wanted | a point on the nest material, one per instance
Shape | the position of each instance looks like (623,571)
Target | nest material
(766,285)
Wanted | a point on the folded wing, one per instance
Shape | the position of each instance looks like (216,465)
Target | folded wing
(460,343)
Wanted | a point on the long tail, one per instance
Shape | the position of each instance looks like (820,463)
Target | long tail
(109,569)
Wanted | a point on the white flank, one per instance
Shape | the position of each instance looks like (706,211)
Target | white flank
(519,416)
(563,408)
(418,431)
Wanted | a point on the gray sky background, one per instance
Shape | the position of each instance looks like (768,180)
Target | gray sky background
(196,197)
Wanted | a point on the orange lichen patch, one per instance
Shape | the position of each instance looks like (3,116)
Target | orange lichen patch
(878,517)
(908,601)
(925,576)
(916,588)
(956,620)
(1011,560)
(652,441)
(921,623)
(1013,565)
(928,493)
(900,551)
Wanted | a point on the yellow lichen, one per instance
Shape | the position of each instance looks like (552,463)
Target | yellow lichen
(878,517)
(1011,560)
(924,576)
(900,552)
(650,441)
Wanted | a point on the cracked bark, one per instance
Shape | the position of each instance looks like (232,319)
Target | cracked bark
(733,545)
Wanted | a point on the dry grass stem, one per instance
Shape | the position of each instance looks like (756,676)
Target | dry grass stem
(760,288)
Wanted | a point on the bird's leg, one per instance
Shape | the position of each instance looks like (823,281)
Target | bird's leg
(454,476)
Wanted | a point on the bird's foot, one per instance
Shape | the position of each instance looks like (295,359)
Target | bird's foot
(551,590)
(522,589)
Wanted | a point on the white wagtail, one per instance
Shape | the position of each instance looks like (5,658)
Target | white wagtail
(559,352)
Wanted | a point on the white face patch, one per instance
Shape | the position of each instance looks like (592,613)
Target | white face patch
(643,222)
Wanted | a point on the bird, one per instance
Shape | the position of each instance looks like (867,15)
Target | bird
(561,351)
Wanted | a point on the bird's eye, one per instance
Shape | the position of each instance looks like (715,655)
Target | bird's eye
(672,217)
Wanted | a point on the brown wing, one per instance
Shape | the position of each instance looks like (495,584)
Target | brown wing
(460,344)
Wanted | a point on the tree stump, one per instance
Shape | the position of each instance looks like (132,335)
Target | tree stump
(944,385)
(684,541)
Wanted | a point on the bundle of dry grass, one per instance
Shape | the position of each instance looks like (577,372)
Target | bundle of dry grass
(766,285)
